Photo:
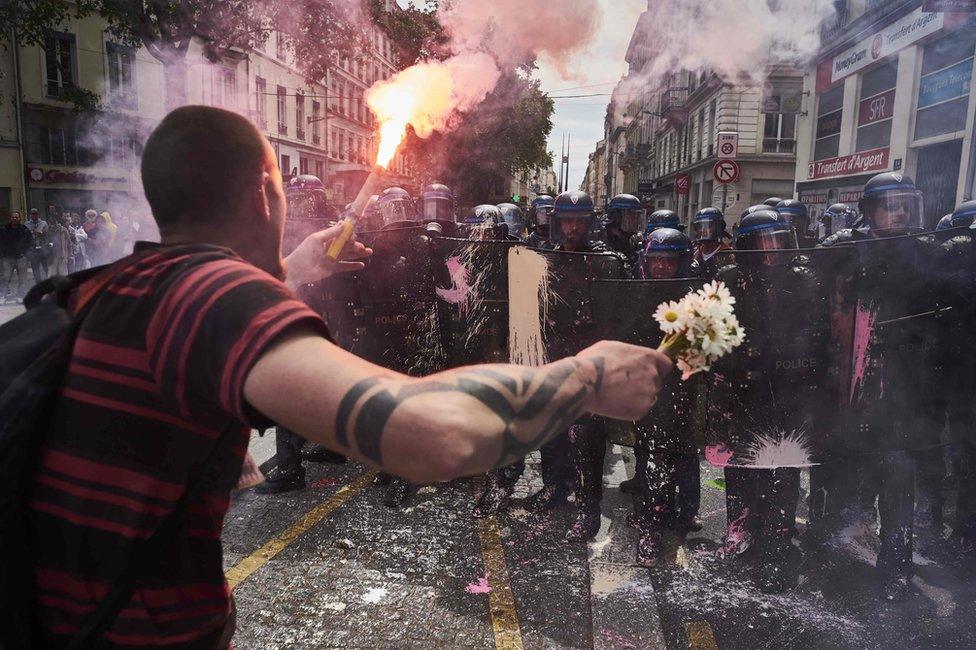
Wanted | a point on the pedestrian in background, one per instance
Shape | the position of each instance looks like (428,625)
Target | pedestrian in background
(78,240)
(37,256)
(93,245)
(16,242)
(60,237)
(108,233)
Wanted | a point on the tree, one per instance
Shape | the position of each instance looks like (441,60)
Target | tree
(416,33)
(319,30)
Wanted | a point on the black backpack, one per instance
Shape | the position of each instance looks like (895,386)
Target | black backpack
(35,350)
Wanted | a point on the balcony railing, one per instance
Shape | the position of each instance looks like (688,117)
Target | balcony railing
(775,145)
(282,128)
(300,134)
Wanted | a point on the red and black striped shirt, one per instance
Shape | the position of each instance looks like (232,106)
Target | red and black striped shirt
(156,376)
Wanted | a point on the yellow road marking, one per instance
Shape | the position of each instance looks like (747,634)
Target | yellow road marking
(501,601)
(243,570)
(700,636)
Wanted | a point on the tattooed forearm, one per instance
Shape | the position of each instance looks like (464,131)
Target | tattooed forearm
(532,404)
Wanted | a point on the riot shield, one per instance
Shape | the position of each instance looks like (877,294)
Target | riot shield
(551,314)
(768,399)
(622,311)
(388,313)
(894,369)
(472,290)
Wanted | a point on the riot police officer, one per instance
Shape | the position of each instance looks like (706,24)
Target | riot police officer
(624,214)
(895,418)
(540,215)
(956,272)
(667,474)
(514,219)
(837,217)
(772,202)
(768,393)
(708,230)
(945,223)
(572,223)
(795,214)
(437,204)
(663,219)
(396,209)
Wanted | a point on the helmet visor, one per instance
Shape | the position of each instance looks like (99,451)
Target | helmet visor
(630,219)
(896,211)
(571,229)
(707,230)
(663,265)
(439,209)
(543,214)
(395,211)
(771,240)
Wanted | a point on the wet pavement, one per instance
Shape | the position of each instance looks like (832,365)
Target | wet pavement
(332,567)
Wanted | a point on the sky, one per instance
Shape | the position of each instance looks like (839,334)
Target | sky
(599,65)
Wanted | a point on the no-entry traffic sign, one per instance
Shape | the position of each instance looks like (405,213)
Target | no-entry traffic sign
(726,171)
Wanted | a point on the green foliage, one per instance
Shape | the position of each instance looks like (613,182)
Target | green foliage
(84,100)
(505,136)
(415,32)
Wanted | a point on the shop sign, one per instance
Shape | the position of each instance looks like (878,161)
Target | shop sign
(950,6)
(889,40)
(877,109)
(829,124)
(946,84)
(858,163)
(682,184)
(39,176)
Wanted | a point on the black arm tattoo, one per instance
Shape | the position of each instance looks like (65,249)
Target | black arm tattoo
(514,399)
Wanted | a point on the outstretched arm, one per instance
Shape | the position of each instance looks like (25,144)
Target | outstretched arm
(455,423)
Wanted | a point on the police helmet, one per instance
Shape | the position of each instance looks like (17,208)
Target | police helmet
(708,225)
(396,208)
(513,217)
(793,213)
(662,219)
(666,255)
(625,212)
(772,202)
(305,182)
(437,203)
(945,223)
(840,216)
(573,205)
(541,210)
(964,215)
(763,230)
(891,204)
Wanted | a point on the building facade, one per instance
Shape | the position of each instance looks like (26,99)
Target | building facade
(83,105)
(660,135)
(892,91)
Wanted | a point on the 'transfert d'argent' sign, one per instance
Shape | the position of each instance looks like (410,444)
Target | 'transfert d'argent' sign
(858,163)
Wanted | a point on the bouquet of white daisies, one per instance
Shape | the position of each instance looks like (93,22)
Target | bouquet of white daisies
(700,328)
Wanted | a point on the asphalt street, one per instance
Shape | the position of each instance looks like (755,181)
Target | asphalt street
(332,567)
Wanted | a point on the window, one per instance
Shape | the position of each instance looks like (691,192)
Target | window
(334,144)
(316,123)
(342,97)
(261,102)
(943,94)
(286,165)
(829,113)
(302,165)
(320,170)
(282,110)
(713,126)
(281,46)
(342,145)
(779,135)
(701,133)
(51,146)
(876,107)
(225,87)
(121,62)
(300,116)
(59,53)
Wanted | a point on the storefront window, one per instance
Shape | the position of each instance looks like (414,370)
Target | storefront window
(829,113)
(943,94)
(877,106)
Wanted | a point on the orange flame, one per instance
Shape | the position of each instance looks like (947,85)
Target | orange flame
(426,96)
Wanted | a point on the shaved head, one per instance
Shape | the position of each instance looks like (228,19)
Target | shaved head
(199,163)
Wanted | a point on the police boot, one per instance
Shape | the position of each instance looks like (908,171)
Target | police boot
(649,548)
(283,479)
(397,493)
(495,497)
(587,523)
(549,497)
(317,453)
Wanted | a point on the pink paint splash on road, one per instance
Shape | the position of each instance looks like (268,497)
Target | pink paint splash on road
(461,291)
(480,587)
(718,455)
(864,319)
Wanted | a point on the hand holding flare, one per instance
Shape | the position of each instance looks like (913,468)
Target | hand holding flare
(700,328)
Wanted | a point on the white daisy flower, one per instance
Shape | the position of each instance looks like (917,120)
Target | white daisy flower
(671,317)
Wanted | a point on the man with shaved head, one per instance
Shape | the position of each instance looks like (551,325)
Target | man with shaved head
(193,342)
